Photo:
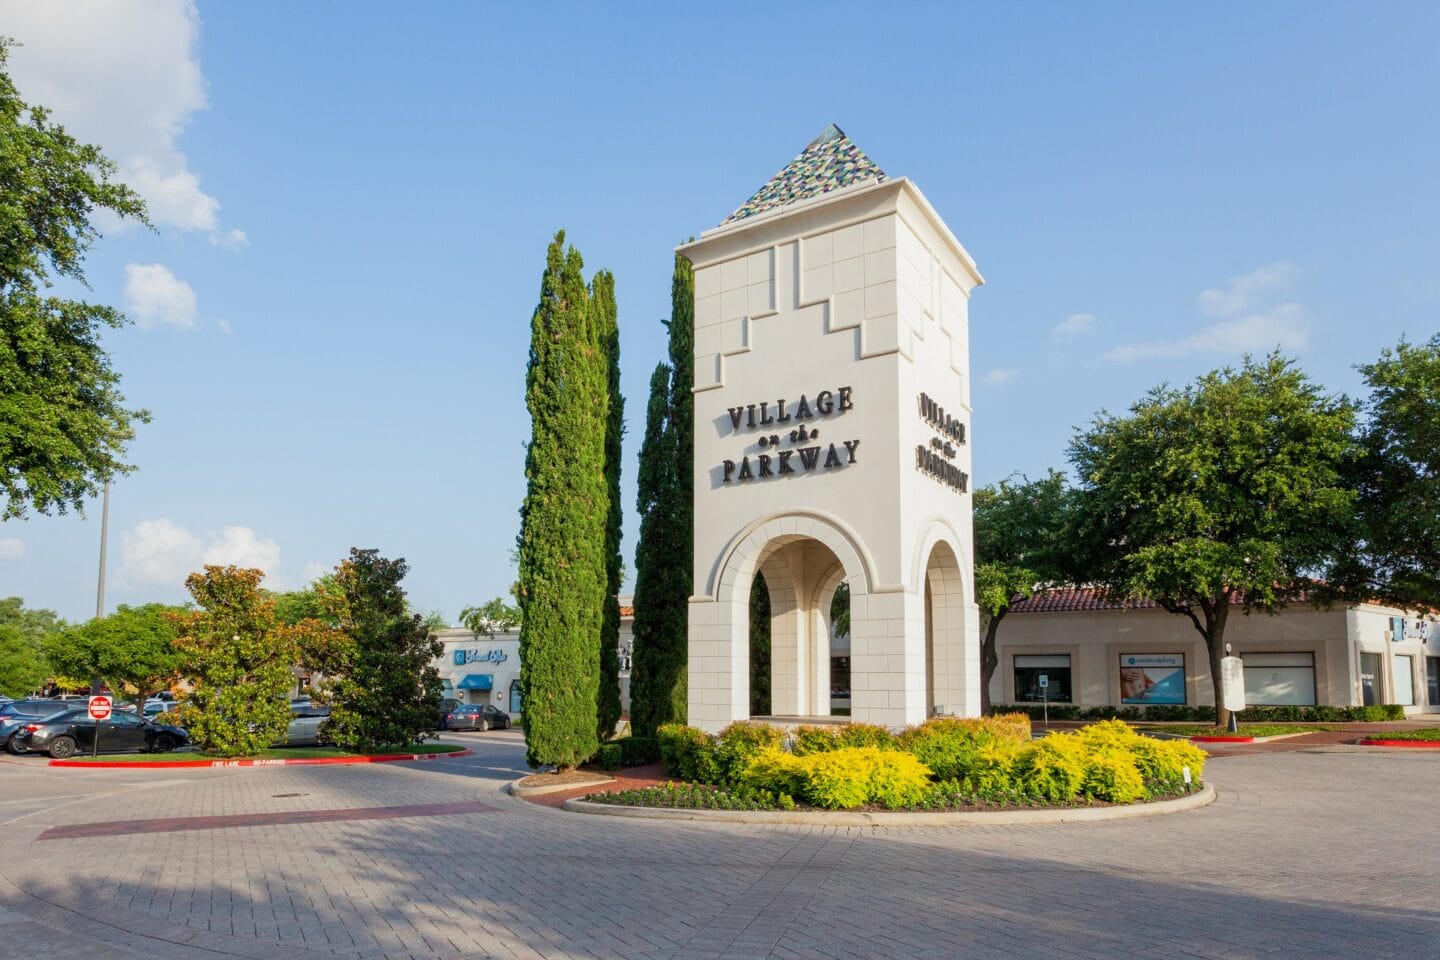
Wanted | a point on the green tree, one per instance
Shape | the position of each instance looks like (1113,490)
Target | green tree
(562,533)
(489,617)
(238,659)
(23,633)
(1229,492)
(759,647)
(131,650)
(1020,537)
(63,423)
(1396,555)
(294,606)
(380,677)
(606,325)
(664,558)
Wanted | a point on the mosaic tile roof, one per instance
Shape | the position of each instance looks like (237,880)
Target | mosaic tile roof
(830,162)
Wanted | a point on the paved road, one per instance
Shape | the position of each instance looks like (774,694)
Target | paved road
(1313,854)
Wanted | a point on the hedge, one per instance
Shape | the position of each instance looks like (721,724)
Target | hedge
(1203,714)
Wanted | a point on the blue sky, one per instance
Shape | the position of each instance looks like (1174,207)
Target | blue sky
(352,203)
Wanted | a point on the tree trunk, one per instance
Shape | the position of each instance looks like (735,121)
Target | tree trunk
(989,660)
(1215,644)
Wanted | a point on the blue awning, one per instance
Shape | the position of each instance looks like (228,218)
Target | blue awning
(477,681)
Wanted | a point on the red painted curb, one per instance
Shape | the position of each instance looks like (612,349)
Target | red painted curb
(1207,739)
(1421,744)
(297,762)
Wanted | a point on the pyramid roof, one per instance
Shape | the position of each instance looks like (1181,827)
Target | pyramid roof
(830,162)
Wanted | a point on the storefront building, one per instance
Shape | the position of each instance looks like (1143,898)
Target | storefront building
(478,669)
(1092,652)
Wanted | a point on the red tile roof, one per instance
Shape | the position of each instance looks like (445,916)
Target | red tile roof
(1082,599)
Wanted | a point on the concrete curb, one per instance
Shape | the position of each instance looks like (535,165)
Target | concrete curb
(515,790)
(228,764)
(1404,744)
(1205,796)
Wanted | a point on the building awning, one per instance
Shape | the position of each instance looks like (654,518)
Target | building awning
(477,681)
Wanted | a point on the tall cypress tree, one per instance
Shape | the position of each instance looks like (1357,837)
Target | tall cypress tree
(602,307)
(561,544)
(664,557)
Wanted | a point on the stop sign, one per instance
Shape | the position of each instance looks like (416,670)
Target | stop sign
(100,708)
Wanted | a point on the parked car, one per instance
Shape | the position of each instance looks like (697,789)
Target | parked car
(305,724)
(74,732)
(154,708)
(16,714)
(447,704)
(476,716)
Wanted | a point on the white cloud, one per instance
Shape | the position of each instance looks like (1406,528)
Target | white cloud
(122,74)
(231,239)
(1075,325)
(157,297)
(1000,375)
(1286,326)
(239,547)
(159,553)
(225,327)
(1244,291)
(314,570)
(11,548)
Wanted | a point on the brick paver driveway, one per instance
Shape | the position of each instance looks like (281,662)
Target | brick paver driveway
(1325,853)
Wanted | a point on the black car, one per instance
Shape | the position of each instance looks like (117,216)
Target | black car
(16,714)
(475,716)
(74,732)
(447,704)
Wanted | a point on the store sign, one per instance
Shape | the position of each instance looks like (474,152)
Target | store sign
(936,459)
(1402,629)
(1152,678)
(473,655)
(792,448)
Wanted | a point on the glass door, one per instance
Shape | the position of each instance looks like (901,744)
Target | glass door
(1369,679)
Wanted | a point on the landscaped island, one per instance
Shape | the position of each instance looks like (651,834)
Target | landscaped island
(944,764)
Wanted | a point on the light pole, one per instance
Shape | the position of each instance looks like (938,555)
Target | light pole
(100,588)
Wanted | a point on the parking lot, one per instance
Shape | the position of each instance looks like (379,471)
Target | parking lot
(1317,853)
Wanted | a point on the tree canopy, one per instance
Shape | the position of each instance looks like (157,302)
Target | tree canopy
(132,649)
(1020,544)
(64,425)
(1229,491)
(1396,556)
(23,632)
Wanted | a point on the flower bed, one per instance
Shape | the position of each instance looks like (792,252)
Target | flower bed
(944,764)
(1430,736)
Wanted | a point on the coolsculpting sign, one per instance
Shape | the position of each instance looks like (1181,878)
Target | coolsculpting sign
(463,657)
(795,445)
(936,459)
(1152,678)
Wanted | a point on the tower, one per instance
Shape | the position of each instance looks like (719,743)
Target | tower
(832,417)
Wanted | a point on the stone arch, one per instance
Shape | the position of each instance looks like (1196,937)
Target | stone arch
(949,663)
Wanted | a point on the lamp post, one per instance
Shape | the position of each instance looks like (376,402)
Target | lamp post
(100,588)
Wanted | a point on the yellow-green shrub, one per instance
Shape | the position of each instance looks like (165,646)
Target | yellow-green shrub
(688,753)
(993,770)
(1111,774)
(839,779)
(897,779)
(1109,733)
(775,770)
(1011,726)
(1162,762)
(951,746)
(1052,768)
(865,735)
(810,739)
(738,743)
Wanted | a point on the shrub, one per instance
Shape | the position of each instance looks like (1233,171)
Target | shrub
(609,756)
(775,770)
(897,779)
(865,735)
(688,753)
(993,770)
(1109,733)
(1111,774)
(1052,768)
(1162,763)
(950,746)
(810,739)
(1016,726)
(738,743)
(638,751)
(838,779)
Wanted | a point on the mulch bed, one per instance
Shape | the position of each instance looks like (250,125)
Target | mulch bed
(630,778)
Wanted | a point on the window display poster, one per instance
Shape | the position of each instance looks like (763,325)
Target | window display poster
(1152,678)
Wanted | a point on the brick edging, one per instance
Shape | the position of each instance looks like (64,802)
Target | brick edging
(297,762)
(516,790)
(1411,744)
(1205,796)
(1204,738)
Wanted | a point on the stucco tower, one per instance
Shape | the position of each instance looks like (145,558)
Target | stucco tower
(832,419)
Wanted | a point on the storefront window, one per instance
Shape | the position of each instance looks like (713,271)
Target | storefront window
(1279,678)
(1369,679)
(1432,676)
(1056,673)
(1152,678)
(1405,681)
